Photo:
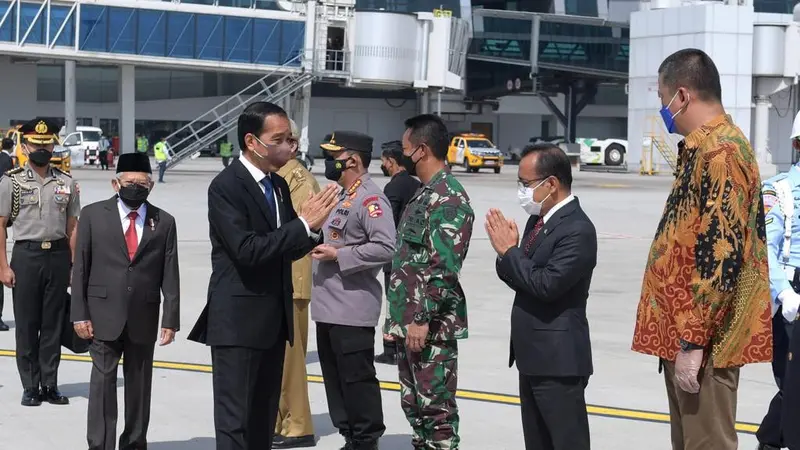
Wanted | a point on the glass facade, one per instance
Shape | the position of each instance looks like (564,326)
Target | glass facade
(774,6)
(170,34)
(579,46)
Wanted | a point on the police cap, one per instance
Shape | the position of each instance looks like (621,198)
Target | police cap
(348,140)
(39,131)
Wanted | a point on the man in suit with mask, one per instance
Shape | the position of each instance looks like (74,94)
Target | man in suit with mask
(126,258)
(550,271)
(255,236)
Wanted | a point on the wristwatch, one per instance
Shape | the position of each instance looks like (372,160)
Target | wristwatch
(421,318)
(687,346)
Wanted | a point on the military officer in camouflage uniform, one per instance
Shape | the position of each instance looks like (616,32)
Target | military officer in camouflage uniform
(43,204)
(359,238)
(428,309)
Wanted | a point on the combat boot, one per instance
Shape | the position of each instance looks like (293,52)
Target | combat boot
(389,355)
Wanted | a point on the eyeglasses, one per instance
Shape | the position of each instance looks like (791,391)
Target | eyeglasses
(523,183)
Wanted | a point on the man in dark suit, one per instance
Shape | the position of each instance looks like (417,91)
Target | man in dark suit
(550,271)
(399,190)
(126,256)
(255,237)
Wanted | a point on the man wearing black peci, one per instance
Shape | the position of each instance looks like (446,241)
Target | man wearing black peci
(255,236)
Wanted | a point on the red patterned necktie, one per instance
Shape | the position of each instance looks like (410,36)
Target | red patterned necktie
(131,239)
(533,234)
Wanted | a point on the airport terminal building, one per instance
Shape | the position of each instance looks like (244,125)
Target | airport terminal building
(511,69)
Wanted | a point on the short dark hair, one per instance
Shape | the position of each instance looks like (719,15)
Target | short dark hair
(7,144)
(693,69)
(393,150)
(551,161)
(251,120)
(429,129)
(364,157)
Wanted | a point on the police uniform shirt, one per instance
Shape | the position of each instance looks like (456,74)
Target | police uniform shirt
(44,203)
(775,228)
(347,291)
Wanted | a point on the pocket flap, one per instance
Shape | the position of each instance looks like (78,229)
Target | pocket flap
(96,291)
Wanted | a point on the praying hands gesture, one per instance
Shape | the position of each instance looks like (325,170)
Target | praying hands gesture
(503,233)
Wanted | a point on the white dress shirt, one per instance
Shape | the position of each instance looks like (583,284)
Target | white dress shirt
(124,210)
(259,176)
(556,207)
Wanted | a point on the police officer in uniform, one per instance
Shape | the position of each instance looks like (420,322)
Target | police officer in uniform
(782,205)
(399,190)
(43,203)
(359,238)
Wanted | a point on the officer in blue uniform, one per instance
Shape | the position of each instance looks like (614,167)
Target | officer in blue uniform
(782,209)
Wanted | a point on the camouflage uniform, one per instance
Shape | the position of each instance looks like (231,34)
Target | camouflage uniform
(432,242)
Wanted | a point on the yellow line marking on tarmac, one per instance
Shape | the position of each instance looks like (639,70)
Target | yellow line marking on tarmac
(613,186)
(491,397)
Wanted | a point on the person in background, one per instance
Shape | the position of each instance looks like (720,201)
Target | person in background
(160,153)
(295,427)
(142,144)
(225,151)
(781,206)
(105,144)
(399,190)
(704,310)
(427,306)
(255,236)
(550,272)
(6,164)
(43,203)
(359,240)
(116,297)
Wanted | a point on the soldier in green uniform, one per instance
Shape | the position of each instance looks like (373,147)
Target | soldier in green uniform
(428,309)
(43,204)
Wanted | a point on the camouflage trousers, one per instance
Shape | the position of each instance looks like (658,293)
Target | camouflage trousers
(428,383)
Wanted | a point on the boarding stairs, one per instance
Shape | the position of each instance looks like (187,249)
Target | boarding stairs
(656,142)
(187,141)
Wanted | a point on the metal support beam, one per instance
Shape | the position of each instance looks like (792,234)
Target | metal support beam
(573,105)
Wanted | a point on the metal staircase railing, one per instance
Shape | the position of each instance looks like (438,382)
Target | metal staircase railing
(188,140)
(655,139)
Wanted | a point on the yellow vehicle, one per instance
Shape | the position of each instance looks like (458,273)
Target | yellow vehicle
(474,151)
(61,155)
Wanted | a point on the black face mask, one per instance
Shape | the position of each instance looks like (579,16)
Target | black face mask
(133,195)
(409,164)
(334,168)
(385,171)
(40,157)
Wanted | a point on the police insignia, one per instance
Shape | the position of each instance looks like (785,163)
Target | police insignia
(347,204)
(770,200)
(334,234)
(336,221)
(375,210)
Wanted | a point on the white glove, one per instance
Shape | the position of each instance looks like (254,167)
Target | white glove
(790,301)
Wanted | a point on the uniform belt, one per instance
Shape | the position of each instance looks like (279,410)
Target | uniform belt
(58,244)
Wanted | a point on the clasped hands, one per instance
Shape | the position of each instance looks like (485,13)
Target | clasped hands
(503,233)
(318,207)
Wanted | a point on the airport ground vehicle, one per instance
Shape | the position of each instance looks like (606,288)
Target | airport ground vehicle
(61,155)
(607,152)
(474,151)
(88,140)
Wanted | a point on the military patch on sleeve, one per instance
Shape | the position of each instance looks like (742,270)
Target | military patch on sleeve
(449,213)
(370,199)
(768,221)
(770,200)
(374,209)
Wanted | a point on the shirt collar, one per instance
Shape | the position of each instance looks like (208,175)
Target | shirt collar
(695,139)
(556,207)
(124,210)
(255,172)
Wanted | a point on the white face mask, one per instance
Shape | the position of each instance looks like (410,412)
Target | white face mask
(525,196)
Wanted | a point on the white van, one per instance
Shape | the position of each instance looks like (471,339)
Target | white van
(86,139)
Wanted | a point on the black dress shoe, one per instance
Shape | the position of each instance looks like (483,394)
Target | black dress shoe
(53,396)
(294,441)
(3,326)
(31,397)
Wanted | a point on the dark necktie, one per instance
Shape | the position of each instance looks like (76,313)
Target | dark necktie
(131,238)
(533,234)
(269,195)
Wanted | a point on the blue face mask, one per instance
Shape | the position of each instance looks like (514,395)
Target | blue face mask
(668,117)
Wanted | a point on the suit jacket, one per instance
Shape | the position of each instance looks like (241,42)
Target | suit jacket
(400,190)
(250,289)
(111,290)
(549,329)
(6,163)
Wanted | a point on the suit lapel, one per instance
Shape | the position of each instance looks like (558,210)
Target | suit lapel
(553,222)
(150,224)
(252,188)
(114,218)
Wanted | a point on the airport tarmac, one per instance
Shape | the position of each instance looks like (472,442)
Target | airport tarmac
(626,393)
